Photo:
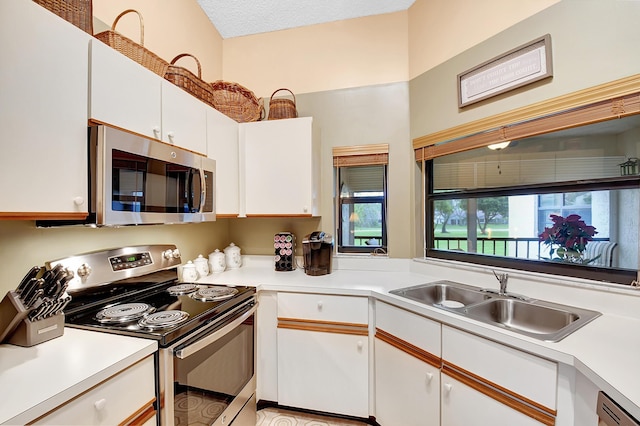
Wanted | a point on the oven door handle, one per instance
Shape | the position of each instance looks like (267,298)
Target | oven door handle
(187,351)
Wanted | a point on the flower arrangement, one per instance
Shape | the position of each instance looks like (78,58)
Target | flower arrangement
(568,238)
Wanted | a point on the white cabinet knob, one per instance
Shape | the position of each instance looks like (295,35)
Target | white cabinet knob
(320,305)
(224,419)
(156,132)
(78,201)
(171,136)
(429,377)
(100,404)
(447,388)
(360,345)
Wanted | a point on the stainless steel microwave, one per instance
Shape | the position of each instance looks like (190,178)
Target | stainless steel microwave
(136,180)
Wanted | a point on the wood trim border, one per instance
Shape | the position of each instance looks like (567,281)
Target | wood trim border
(140,417)
(408,348)
(505,396)
(324,326)
(625,87)
(42,216)
(280,215)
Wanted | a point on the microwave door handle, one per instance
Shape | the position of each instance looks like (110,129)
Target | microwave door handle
(187,351)
(203,190)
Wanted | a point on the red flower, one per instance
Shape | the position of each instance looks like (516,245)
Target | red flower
(570,233)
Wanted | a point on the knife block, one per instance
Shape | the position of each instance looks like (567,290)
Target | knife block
(30,333)
(12,312)
(17,329)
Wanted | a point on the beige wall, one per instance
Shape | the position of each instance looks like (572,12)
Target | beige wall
(441,29)
(337,55)
(591,41)
(171,27)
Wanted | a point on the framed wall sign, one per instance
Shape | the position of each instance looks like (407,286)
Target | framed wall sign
(521,66)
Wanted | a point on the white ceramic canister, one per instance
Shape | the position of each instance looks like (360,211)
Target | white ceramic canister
(189,272)
(202,266)
(232,256)
(217,262)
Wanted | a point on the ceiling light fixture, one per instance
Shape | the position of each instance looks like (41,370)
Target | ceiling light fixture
(499,146)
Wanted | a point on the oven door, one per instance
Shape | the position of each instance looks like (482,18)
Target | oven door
(209,378)
(144,181)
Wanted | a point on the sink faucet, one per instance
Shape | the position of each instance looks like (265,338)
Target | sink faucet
(502,279)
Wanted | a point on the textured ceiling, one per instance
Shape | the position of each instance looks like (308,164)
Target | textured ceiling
(235,18)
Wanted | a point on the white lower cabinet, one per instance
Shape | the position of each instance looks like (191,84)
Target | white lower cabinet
(407,368)
(125,399)
(520,388)
(323,353)
(465,406)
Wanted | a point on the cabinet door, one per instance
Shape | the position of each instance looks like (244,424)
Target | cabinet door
(123,93)
(464,406)
(279,170)
(323,371)
(407,389)
(184,119)
(125,398)
(222,146)
(43,104)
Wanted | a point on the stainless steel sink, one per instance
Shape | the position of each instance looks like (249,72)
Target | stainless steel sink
(535,318)
(444,294)
(539,319)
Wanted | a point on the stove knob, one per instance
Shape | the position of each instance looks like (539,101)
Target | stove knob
(84,270)
(171,254)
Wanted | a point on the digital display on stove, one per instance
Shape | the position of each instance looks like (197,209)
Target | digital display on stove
(128,261)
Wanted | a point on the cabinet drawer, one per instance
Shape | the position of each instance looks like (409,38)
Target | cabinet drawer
(412,328)
(122,398)
(521,373)
(324,307)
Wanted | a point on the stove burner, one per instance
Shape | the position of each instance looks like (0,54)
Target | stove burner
(163,319)
(125,312)
(182,289)
(212,294)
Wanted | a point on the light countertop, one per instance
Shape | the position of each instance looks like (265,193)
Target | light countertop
(37,379)
(604,350)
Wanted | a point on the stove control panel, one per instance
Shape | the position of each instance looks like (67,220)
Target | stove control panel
(106,266)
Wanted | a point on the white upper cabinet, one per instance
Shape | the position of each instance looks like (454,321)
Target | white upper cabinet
(43,104)
(124,94)
(222,146)
(184,119)
(279,168)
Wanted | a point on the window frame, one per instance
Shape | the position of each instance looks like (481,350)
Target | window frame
(614,275)
(382,200)
(360,156)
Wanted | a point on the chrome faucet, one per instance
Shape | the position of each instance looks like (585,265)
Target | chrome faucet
(502,279)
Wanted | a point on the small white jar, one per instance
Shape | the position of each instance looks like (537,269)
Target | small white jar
(217,262)
(189,272)
(232,256)
(202,266)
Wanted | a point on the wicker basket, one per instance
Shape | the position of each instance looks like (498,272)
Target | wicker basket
(188,81)
(78,12)
(237,102)
(282,107)
(131,49)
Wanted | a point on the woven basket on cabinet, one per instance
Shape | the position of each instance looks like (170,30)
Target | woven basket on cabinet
(188,81)
(78,12)
(282,107)
(131,49)
(237,102)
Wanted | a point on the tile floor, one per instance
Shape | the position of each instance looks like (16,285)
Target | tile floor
(272,416)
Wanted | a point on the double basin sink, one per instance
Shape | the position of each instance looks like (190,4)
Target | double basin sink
(534,318)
